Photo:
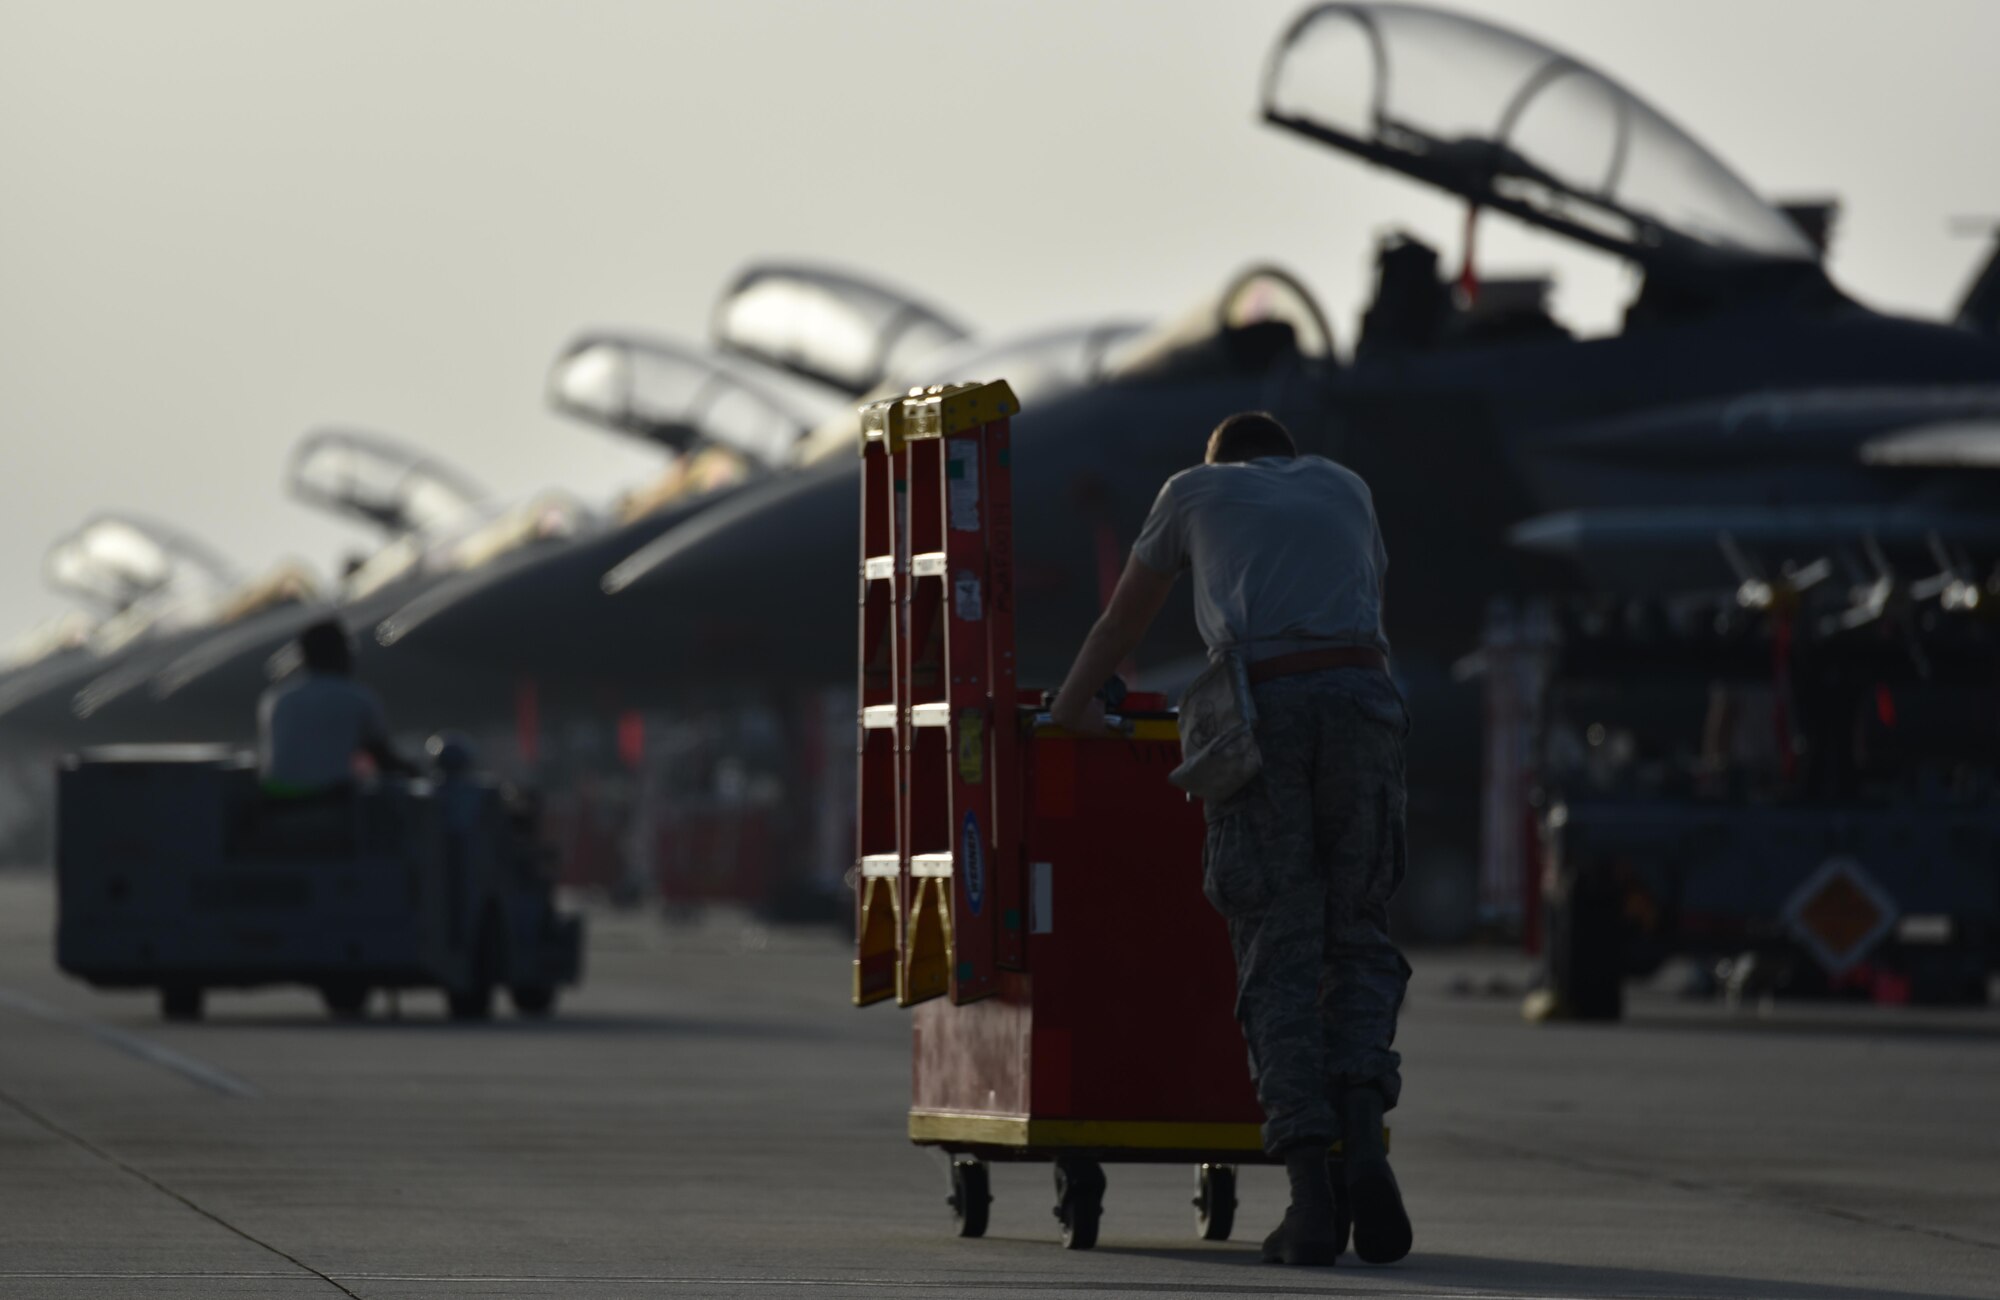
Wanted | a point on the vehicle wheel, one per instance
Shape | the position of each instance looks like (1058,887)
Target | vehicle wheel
(533,999)
(345,1000)
(1586,939)
(971,1194)
(475,1000)
(1079,1200)
(180,1001)
(1215,1202)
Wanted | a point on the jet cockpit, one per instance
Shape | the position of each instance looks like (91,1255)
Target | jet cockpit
(1513,125)
(380,481)
(826,326)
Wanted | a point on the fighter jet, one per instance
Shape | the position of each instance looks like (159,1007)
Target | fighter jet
(150,584)
(1464,403)
(736,429)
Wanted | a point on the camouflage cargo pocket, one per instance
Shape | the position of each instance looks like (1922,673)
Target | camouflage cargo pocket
(1233,876)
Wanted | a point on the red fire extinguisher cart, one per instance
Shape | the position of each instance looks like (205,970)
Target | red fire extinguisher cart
(1034,895)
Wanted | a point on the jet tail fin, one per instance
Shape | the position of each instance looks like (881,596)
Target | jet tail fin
(1979,311)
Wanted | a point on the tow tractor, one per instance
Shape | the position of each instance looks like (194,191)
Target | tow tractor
(175,871)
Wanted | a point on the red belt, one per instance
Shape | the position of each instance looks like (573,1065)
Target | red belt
(1312,661)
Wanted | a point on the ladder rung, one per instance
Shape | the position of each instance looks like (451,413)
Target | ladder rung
(928,565)
(879,717)
(878,566)
(877,865)
(930,715)
(931,866)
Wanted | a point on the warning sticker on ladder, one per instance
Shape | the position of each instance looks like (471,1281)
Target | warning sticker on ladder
(961,484)
(972,862)
(966,600)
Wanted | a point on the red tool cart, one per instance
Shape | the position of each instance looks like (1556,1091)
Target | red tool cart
(1034,895)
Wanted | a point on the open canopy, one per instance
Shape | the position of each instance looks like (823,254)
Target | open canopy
(670,395)
(828,326)
(371,477)
(114,561)
(1511,124)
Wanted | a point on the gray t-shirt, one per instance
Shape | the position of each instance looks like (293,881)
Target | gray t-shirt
(1286,554)
(310,728)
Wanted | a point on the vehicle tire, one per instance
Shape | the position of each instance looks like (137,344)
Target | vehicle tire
(971,1195)
(345,999)
(1079,1200)
(1586,941)
(534,1000)
(475,1000)
(181,1001)
(1215,1202)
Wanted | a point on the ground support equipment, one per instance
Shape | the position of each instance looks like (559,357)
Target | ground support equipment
(1035,896)
(174,872)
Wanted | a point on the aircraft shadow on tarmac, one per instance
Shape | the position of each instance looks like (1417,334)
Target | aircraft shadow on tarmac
(1484,1276)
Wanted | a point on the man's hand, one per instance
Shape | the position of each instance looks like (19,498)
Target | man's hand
(1081,717)
(1134,605)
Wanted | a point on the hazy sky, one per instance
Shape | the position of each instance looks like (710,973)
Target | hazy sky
(225,221)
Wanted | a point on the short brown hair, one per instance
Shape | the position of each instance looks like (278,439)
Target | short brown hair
(1248,435)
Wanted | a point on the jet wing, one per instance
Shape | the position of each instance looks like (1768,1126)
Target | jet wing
(1949,444)
(1578,534)
(1919,427)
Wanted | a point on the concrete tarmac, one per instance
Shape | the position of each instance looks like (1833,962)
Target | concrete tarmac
(708,1117)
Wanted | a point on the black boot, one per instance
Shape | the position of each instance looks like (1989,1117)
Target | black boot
(1306,1235)
(1343,1221)
(1381,1227)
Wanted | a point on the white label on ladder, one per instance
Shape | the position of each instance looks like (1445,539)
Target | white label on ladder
(961,483)
(1041,898)
(965,597)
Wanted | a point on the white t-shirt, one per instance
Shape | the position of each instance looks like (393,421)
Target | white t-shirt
(1285,552)
(310,727)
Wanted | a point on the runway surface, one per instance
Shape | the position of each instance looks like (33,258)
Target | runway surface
(708,1117)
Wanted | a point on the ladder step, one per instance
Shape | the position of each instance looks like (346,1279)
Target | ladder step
(928,565)
(878,566)
(877,865)
(930,866)
(930,715)
(879,717)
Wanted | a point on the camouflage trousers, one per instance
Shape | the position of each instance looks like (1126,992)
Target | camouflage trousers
(1302,863)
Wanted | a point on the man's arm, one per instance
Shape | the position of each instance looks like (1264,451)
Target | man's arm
(1135,603)
(375,743)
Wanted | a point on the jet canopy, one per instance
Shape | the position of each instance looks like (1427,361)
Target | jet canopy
(832,328)
(115,561)
(669,395)
(370,477)
(1511,124)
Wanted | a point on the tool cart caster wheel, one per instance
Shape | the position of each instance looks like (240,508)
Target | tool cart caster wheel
(1079,1201)
(1343,1214)
(971,1194)
(1215,1202)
